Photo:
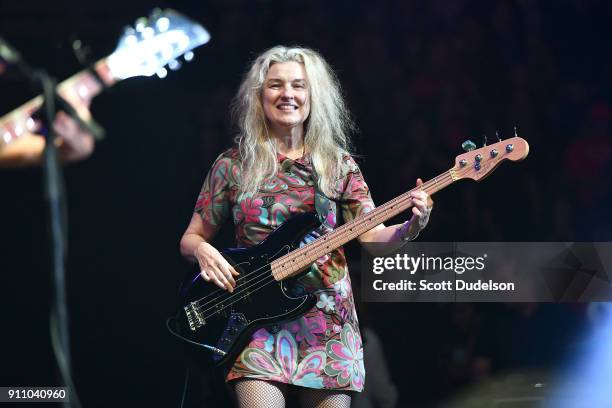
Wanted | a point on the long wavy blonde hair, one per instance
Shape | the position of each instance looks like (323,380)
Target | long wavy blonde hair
(326,130)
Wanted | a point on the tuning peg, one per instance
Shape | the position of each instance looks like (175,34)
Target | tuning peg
(162,72)
(162,24)
(468,145)
(174,64)
(140,24)
(148,33)
(188,56)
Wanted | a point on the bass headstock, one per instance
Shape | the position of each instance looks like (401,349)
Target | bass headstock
(154,42)
(476,164)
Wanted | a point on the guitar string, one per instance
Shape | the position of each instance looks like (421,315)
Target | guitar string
(442,178)
(266,280)
(433,183)
(383,210)
(438,179)
(256,289)
(247,275)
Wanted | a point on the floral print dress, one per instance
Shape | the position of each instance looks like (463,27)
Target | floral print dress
(323,348)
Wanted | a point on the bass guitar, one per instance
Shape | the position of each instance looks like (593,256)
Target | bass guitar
(223,322)
(143,50)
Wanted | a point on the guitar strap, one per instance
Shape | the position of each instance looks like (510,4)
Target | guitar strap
(327,208)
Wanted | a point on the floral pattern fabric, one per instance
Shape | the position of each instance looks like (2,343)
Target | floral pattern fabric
(323,348)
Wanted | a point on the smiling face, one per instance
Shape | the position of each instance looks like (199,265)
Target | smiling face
(285,96)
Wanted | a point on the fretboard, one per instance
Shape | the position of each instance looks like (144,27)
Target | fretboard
(299,259)
(83,86)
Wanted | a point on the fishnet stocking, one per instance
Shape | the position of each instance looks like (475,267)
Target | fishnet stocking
(252,393)
(260,394)
(312,398)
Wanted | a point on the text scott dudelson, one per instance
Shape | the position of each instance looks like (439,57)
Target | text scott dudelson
(458,285)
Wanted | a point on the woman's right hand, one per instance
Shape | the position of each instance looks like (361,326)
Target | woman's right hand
(214,267)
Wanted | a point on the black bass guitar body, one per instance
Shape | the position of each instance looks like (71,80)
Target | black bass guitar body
(224,322)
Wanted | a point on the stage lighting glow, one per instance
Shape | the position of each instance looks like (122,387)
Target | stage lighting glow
(163,24)
(587,382)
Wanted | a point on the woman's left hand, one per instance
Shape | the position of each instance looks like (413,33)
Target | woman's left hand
(423,204)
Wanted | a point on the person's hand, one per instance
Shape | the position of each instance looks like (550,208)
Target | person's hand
(215,268)
(421,210)
(73,142)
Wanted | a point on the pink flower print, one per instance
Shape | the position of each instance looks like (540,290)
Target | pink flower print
(263,340)
(250,210)
(326,302)
(329,223)
(309,327)
(203,201)
(283,365)
(346,359)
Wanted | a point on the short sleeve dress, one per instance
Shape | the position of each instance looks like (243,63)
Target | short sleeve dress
(323,348)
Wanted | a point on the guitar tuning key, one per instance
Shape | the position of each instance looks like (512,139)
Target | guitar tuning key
(174,64)
(188,56)
(468,145)
(140,24)
(162,73)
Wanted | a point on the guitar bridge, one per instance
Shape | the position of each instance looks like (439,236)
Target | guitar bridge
(194,317)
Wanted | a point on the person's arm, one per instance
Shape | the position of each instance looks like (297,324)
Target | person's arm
(73,143)
(356,201)
(195,247)
(211,209)
(23,152)
(421,211)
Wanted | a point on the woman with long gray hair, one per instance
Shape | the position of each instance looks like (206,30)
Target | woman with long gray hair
(293,148)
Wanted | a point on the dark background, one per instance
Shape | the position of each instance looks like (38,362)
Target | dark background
(420,78)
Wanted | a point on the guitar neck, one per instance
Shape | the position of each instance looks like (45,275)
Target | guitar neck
(295,261)
(81,87)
